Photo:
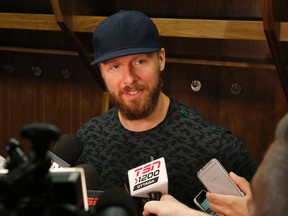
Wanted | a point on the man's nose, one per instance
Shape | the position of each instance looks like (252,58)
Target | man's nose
(130,75)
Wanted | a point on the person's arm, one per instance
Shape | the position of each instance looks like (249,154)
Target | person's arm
(169,206)
(231,205)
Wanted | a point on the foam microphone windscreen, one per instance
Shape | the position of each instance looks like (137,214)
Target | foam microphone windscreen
(114,202)
(90,176)
(69,148)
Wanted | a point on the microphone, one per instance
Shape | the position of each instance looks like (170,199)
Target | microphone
(56,161)
(66,151)
(115,202)
(93,194)
(90,176)
(149,180)
(16,156)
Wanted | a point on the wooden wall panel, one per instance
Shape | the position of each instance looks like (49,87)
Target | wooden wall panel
(195,8)
(26,98)
(251,116)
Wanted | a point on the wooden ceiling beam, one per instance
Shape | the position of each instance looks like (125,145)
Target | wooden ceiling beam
(191,28)
(24,21)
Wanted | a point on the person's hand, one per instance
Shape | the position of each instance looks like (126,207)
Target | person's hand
(231,205)
(169,206)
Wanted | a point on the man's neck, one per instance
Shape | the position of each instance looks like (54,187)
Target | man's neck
(156,117)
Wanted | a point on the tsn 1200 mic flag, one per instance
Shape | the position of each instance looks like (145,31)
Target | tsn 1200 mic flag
(148,177)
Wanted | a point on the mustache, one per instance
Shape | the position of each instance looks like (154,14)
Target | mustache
(133,87)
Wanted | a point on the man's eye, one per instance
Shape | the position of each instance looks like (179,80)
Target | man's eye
(141,61)
(114,67)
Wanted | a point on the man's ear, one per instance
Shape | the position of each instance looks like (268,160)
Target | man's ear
(100,69)
(162,59)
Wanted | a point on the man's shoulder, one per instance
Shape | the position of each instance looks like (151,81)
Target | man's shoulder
(179,109)
(101,121)
(105,116)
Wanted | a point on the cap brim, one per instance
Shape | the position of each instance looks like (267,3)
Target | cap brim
(124,52)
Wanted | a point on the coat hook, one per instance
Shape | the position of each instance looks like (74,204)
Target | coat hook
(8,69)
(37,71)
(66,74)
(196,85)
(236,89)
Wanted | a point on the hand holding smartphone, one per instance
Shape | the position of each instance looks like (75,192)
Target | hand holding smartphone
(203,203)
(216,180)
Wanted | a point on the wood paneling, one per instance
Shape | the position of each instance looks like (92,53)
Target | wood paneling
(196,9)
(251,116)
(26,98)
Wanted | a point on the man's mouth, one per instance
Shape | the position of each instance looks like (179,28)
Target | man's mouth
(133,92)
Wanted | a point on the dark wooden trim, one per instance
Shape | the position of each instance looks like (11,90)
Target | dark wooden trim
(191,28)
(83,53)
(237,63)
(274,44)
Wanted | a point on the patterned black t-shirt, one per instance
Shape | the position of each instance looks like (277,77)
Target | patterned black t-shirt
(184,138)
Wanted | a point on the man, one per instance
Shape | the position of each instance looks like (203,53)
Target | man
(144,122)
(269,187)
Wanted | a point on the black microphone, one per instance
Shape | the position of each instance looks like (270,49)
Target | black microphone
(68,149)
(57,162)
(90,176)
(93,193)
(16,156)
(40,136)
(116,202)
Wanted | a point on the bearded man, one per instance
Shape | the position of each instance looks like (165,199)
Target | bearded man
(145,122)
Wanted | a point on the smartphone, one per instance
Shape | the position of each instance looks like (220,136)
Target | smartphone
(216,179)
(203,203)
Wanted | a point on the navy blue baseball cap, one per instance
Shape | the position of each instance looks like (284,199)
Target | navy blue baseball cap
(124,33)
